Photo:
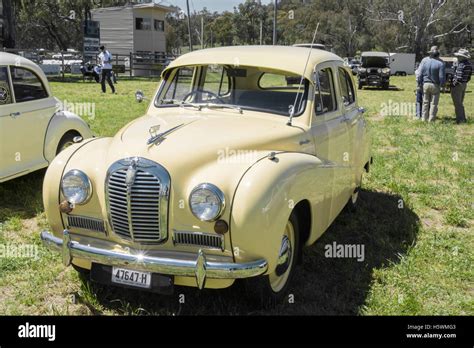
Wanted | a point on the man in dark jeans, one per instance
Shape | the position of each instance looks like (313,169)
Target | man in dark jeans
(460,80)
(105,59)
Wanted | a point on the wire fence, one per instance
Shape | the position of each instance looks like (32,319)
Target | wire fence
(70,64)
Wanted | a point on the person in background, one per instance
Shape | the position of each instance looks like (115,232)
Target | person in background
(432,77)
(460,80)
(419,91)
(105,61)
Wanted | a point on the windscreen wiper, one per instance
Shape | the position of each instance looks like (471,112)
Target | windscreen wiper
(223,106)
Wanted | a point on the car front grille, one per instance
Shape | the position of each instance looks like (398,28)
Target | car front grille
(137,194)
(205,240)
(86,223)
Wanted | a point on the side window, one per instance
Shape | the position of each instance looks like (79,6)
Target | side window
(347,87)
(5,92)
(325,98)
(217,80)
(180,87)
(26,85)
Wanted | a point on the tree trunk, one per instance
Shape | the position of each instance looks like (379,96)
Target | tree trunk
(9,24)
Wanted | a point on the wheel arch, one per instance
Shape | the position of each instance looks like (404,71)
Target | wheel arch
(62,123)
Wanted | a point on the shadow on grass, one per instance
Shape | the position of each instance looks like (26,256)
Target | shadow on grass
(391,88)
(322,286)
(22,197)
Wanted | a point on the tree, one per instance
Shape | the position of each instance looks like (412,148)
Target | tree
(9,23)
(425,22)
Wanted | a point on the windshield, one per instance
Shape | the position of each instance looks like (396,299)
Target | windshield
(375,62)
(239,88)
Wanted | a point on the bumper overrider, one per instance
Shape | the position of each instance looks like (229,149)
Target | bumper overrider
(177,264)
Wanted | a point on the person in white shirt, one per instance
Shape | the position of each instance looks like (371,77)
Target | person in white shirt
(105,60)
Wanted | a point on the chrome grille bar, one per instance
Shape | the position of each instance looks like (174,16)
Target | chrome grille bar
(205,240)
(86,223)
(137,197)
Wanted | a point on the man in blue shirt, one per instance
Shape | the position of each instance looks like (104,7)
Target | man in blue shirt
(460,81)
(432,77)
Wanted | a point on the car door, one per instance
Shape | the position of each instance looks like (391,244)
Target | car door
(25,124)
(354,120)
(330,133)
(7,110)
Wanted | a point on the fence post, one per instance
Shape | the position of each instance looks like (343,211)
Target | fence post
(131,64)
(62,59)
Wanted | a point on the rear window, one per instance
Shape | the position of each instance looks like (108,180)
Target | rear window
(279,81)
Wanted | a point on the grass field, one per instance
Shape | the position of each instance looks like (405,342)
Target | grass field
(415,219)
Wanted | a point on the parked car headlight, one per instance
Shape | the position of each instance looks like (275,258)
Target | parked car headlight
(386,71)
(207,202)
(76,187)
(362,70)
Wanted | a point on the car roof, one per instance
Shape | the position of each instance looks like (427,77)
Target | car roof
(282,58)
(19,61)
(375,54)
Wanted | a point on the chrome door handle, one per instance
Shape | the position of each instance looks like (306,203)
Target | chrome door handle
(15,114)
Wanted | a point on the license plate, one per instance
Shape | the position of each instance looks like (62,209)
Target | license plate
(131,278)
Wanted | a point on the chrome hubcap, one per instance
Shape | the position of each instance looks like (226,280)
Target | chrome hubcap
(284,256)
(279,279)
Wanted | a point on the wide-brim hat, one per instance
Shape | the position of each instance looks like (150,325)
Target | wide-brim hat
(433,49)
(463,53)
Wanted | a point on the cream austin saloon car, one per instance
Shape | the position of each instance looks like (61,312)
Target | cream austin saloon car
(245,156)
(32,129)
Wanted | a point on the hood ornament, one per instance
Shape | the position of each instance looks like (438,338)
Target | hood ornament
(132,172)
(156,137)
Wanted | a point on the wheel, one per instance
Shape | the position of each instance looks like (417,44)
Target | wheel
(361,86)
(271,289)
(351,205)
(66,141)
(386,86)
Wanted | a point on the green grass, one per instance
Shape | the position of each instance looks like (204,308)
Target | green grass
(415,220)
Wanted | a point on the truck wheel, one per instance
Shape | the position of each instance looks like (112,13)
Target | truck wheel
(360,86)
(66,141)
(270,289)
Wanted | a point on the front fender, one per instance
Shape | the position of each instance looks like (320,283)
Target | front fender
(52,182)
(61,123)
(265,198)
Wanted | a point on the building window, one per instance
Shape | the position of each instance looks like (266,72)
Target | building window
(159,25)
(142,23)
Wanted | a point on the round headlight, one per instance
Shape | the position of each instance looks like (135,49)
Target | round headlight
(207,202)
(76,187)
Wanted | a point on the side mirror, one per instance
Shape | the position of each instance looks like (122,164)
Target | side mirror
(139,96)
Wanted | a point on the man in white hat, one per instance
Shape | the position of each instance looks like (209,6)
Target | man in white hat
(432,77)
(460,81)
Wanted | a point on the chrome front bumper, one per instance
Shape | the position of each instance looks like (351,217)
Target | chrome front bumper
(178,264)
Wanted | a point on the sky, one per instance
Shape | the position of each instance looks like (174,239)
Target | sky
(212,5)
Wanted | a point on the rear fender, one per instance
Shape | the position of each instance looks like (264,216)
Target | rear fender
(61,123)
